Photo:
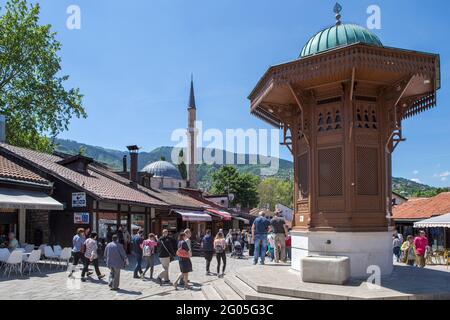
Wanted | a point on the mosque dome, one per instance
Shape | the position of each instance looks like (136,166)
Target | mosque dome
(337,36)
(162,169)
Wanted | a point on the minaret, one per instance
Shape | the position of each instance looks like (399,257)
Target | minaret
(192,138)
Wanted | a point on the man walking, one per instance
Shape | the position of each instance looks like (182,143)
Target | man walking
(166,252)
(421,244)
(208,250)
(136,249)
(279,228)
(259,234)
(116,259)
(77,243)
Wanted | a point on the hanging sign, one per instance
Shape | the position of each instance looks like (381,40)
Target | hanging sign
(78,200)
(81,218)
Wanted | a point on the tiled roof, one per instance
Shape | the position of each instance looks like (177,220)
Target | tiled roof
(93,183)
(171,198)
(423,208)
(12,171)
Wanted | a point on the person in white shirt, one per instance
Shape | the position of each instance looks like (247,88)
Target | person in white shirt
(91,256)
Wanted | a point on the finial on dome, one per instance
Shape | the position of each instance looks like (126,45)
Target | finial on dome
(337,9)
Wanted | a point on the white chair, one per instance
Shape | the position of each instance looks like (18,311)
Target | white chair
(14,262)
(32,263)
(57,250)
(29,248)
(42,247)
(50,255)
(65,256)
(4,255)
(20,250)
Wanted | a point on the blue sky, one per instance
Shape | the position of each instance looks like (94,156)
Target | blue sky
(133,59)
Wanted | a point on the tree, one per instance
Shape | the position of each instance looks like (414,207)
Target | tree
(227,180)
(33,96)
(273,191)
(182,165)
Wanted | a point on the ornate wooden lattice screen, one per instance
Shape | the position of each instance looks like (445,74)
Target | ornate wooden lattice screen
(330,172)
(367,171)
(303,181)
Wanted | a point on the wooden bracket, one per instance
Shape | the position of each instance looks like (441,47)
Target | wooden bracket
(300,105)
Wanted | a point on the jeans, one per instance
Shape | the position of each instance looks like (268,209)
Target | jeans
(260,247)
(86,267)
(138,268)
(288,253)
(397,253)
(114,277)
(221,256)
(208,258)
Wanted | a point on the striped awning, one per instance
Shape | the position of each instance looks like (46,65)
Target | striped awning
(194,216)
(220,213)
(435,222)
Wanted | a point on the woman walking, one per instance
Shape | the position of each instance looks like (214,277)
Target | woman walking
(91,256)
(396,244)
(220,246)
(184,258)
(149,254)
(409,251)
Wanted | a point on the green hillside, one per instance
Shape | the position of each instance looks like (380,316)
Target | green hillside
(113,159)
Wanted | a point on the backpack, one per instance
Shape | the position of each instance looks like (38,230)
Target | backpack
(147,251)
(219,248)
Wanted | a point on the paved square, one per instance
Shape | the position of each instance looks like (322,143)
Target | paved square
(53,284)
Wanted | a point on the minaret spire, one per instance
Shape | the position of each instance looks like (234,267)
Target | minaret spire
(337,10)
(192,95)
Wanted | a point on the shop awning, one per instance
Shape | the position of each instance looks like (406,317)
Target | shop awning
(24,199)
(435,222)
(194,216)
(222,214)
(246,221)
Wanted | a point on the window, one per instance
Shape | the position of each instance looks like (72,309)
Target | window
(330,172)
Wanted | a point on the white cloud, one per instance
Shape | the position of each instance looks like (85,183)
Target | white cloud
(443,176)
(416,172)
(416,180)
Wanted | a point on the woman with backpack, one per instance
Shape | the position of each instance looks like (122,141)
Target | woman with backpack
(220,246)
(149,254)
(184,259)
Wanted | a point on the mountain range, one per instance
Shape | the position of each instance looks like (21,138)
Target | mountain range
(114,160)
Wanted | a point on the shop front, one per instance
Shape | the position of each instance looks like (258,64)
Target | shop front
(197,221)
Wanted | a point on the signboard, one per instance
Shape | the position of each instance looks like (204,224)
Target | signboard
(81,218)
(78,200)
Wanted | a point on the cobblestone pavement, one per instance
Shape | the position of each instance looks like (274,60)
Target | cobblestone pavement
(54,284)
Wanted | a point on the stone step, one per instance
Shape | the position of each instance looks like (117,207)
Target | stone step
(225,291)
(248,293)
(210,292)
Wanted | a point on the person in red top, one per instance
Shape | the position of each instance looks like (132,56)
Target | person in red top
(288,246)
(421,244)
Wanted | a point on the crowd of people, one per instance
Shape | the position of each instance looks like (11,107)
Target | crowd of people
(267,237)
(413,250)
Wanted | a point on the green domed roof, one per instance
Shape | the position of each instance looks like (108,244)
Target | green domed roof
(339,35)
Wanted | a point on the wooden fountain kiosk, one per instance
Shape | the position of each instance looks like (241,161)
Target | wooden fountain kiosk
(340,106)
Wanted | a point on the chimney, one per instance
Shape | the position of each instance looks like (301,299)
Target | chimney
(134,151)
(2,128)
(124,163)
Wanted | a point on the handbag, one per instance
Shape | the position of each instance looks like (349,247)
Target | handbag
(181,253)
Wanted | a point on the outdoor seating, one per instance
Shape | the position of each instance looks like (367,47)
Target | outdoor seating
(4,255)
(65,256)
(57,250)
(14,262)
(41,248)
(32,263)
(50,255)
(29,248)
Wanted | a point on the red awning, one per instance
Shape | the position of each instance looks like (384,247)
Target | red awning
(194,216)
(222,214)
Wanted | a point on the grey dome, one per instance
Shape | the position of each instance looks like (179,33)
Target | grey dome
(162,169)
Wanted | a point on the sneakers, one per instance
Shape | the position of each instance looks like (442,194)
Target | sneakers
(83,279)
(100,277)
